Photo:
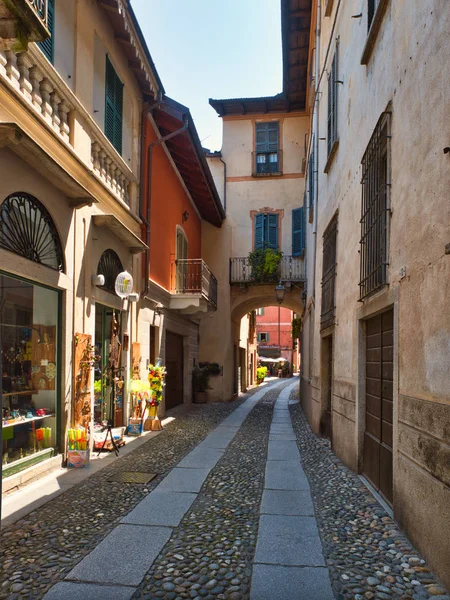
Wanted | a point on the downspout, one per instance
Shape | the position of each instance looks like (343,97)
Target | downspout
(224,184)
(149,197)
(316,142)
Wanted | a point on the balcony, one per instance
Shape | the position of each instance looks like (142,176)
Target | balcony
(290,268)
(195,287)
(31,77)
(22,21)
(267,164)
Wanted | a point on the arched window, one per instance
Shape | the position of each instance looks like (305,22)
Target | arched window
(27,229)
(110,266)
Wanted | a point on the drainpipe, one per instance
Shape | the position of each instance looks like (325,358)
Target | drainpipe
(316,142)
(224,184)
(149,197)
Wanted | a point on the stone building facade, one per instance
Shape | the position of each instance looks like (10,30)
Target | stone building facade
(376,328)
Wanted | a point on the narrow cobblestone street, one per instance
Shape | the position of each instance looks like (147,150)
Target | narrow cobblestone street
(232,514)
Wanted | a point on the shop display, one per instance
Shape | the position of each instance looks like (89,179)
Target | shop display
(28,343)
(77,448)
(156,379)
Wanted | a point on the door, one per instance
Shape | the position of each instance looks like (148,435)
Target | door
(174,366)
(379,403)
(327,378)
(182,254)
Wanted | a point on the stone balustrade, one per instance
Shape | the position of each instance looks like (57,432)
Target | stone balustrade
(36,81)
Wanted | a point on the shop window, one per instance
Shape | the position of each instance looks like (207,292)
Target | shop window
(110,266)
(27,229)
(29,333)
(107,404)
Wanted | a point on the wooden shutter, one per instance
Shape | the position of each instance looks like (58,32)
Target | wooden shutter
(47,45)
(332,103)
(259,231)
(267,137)
(298,233)
(272,231)
(113,106)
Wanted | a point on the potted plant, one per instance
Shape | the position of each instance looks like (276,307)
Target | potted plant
(200,384)
(265,264)
(261,373)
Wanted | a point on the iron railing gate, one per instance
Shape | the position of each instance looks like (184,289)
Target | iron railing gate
(328,309)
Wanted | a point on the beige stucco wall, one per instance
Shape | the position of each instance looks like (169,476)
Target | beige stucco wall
(406,71)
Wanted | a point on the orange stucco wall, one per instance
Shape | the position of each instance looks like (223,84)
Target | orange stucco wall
(169,202)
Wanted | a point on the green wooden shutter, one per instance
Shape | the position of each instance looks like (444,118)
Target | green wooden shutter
(47,45)
(272,231)
(262,137)
(113,106)
(272,137)
(298,233)
(259,231)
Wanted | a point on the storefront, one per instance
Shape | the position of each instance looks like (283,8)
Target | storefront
(30,338)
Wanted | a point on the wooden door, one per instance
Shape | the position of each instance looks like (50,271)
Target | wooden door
(379,403)
(174,366)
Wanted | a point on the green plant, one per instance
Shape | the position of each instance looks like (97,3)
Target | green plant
(265,264)
(261,373)
(98,386)
(200,379)
(296,327)
(212,367)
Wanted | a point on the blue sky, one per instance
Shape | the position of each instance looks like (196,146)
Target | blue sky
(213,49)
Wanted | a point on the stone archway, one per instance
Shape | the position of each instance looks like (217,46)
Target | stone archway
(244,300)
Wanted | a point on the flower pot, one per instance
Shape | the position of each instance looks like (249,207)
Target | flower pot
(200,397)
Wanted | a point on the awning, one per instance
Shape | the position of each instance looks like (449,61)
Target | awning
(272,360)
(125,235)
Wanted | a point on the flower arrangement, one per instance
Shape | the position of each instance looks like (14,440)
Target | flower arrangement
(156,379)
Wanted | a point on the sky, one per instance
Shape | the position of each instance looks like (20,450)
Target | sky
(213,49)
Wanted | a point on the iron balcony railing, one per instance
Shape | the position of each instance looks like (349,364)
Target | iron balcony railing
(290,268)
(193,276)
(265,164)
(40,7)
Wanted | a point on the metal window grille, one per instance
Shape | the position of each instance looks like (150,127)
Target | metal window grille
(374,210)
(328,310)
(332,103)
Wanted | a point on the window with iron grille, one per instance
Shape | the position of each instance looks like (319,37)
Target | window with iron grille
(374,210)
(332,104)
(327,314)
(267,148)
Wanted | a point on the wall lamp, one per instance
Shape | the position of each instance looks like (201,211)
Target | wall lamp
(185,216)
(279,293)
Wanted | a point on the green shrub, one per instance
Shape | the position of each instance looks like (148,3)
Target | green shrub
(261,373)
(265,264)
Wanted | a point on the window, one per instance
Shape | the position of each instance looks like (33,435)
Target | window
(47,46)
(27,229)
(113,107)
(260,312)
(374,210)
(311,182)
(181,261)
(263,337)
(327,314)
(372,6)
(266,231)
(332,105)
(267,150)
(109,266)
(298,231)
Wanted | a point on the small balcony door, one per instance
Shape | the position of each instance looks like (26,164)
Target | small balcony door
(182,254)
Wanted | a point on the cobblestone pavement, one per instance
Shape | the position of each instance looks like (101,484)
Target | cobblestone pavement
(39,550)
(367,555)
(210,554)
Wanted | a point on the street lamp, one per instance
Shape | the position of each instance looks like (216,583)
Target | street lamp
(279,293)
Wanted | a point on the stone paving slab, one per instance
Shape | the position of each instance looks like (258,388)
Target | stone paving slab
(285,475)
(285,502)
(161,508)
(123,557)
(220,442)
(201,457)
(290,583)
(289,540)
(88,591)
(283,451)
(184,480)
(282,437)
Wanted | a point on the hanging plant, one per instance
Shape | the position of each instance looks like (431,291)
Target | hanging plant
(296,328)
